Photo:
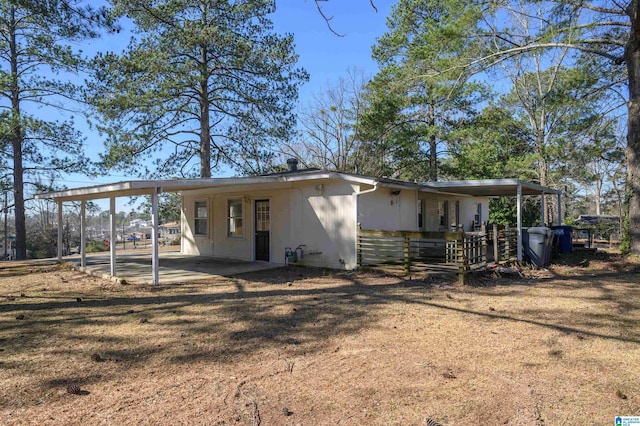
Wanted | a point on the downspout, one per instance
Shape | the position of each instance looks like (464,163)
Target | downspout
(355,199)
(375,188)
(357,194)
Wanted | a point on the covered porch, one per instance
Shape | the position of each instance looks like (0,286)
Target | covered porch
(505,187)
(454,250)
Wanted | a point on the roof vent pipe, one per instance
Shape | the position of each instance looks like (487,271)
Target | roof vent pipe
(293,164)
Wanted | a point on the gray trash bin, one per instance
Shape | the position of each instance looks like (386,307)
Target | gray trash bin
(537,245)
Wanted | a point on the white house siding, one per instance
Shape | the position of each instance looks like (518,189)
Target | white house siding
(386,211)
(321,220)
(467,209)
(328,228)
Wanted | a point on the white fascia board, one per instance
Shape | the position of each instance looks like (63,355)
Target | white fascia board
(468,183)
(408,185)
(142,187)
(235,188)
(540,188)
(354,179)
(488,183)
(428,189)
(184,184)
(330,175)
(99,191)
(457,194)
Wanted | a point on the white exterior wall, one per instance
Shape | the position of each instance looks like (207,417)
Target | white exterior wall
(327,224)
(323,221)
(467,210)
(384,211)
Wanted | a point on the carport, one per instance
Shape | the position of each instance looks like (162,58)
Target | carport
(135,188)
(504,187)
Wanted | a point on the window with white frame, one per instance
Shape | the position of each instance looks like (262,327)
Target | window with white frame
(201,218)
(234,217)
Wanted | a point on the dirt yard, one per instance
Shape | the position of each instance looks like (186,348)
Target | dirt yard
(307,347)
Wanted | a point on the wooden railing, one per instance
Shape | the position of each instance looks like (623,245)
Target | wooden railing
(414,251)
(504,241)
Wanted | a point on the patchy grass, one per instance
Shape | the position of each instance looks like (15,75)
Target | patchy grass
(302,346)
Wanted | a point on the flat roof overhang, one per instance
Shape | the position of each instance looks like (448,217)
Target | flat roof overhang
(492,187)
(144,187)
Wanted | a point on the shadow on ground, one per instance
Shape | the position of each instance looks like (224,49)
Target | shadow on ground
(295,310)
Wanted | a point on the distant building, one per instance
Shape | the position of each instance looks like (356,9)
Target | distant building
(170,231)
(139,223)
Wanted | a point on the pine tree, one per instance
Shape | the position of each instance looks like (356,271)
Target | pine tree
(198,78)
(35,49)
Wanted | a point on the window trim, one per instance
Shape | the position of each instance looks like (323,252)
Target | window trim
(241,217)
(196,218)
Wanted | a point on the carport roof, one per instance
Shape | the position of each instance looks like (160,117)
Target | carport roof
(491,187)
(487,188)
(143,187)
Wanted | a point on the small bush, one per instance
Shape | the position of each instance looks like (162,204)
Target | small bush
(96,246)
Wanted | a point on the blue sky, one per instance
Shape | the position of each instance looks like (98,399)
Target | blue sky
(323,54)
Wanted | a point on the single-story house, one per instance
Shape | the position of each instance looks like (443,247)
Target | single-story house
(170,231)
(313,213)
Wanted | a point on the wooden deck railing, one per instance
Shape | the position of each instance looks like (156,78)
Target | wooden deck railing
(504,241)
(414,251)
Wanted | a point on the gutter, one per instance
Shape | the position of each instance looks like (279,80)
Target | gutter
(368,191)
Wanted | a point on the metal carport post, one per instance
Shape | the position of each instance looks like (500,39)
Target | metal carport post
(519,219)
(154,236)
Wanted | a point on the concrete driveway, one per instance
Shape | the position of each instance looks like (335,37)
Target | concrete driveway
(134,266)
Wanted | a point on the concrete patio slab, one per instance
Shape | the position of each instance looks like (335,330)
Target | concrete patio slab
(134,266)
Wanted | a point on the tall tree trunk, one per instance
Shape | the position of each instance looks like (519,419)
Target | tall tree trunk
(620,199)
(543,173)
(16,143)
(205,123)
(433,153)
(18,193)
(632,59)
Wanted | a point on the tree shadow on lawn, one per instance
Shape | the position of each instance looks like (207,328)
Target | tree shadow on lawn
(319,312)
(243,318)
(19,269)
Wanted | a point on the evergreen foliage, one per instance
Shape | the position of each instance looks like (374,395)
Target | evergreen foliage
(202,83)
(36,39)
